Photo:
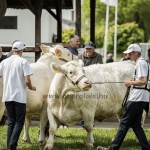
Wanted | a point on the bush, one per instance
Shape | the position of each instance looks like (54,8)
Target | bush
(127,34)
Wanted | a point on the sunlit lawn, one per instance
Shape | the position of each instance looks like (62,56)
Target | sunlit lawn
(74,139)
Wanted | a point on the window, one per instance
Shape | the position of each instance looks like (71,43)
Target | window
(8,22)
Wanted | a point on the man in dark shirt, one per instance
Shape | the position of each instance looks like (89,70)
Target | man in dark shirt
(109,59)
(148,60)
(2,56)
(89,56)
(74,44)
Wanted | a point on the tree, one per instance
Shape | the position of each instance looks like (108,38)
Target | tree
(128,33)
(66,33)
(128,11)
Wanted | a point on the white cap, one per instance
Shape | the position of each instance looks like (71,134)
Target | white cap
(133,47)
(110,54)
(17,46)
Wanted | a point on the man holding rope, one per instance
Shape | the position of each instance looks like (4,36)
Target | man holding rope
(138,98)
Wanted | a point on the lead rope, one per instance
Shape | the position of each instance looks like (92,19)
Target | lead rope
(126,97)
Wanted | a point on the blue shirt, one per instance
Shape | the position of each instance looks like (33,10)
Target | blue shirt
(73,50)
(3,57)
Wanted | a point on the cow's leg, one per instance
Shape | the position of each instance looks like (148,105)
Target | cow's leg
(26,137)
(43,123)
(54,123)
(88,125)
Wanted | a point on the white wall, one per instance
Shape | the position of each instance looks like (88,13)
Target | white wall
(26,27)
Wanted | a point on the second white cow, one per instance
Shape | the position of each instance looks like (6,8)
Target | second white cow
(100,102)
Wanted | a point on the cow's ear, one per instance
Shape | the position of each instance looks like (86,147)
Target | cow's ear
(56,68)
(58,52)
(45,49)
(81,62)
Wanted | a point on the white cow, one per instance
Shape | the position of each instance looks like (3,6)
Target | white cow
(41,79)
(100,102)
(38,104)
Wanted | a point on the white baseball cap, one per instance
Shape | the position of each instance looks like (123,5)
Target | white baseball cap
(17,46)
(133,47)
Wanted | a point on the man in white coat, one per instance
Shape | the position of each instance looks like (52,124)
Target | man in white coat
(16,73)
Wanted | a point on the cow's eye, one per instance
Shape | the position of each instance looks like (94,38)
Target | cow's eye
(70,72)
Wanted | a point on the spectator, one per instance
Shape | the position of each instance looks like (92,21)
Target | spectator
(2,56)
(138,98)
(148,60)
(109,58)
(90,57)
(74,44)
(16,73)
(125,57)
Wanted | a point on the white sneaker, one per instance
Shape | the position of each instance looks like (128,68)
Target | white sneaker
(102,148)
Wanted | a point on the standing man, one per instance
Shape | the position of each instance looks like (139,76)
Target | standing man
(2,56)
(74,44)
(16,73)
(89,56)
(109,58)
(138,98)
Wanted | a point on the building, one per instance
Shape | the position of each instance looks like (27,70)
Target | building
(19,24)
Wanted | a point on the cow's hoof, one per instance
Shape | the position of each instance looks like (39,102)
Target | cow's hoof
(48,147)
(26,141)
(61,127)
(1,148)
(89,145)
(137,142)
(42,143)
(65,127)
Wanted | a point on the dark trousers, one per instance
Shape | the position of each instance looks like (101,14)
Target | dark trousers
(82,123)
(16,117)
(131,118)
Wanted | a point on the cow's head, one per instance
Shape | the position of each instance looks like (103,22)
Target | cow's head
(71,75)
(59,51)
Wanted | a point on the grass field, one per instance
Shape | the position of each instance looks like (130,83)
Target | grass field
(74,139)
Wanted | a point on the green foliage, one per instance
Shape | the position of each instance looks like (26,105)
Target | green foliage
(127,33)
(99,36)
(135,11)
(128,11)
(66,33)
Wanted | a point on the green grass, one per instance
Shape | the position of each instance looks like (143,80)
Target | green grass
(74,139)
